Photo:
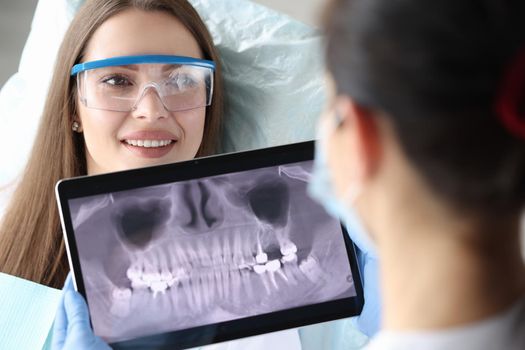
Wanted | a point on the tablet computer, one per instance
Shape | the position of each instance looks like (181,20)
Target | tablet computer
(207,250)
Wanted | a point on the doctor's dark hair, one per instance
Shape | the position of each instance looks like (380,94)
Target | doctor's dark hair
(31,244)
(436,69)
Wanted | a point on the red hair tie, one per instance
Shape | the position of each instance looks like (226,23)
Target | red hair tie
(510,106)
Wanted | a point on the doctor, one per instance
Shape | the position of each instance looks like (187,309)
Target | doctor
(424,146)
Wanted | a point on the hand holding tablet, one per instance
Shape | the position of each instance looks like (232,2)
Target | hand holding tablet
(207,250)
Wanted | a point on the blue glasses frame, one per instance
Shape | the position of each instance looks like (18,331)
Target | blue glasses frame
(141,59)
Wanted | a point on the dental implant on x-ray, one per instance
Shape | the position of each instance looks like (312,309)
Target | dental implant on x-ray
(270,203)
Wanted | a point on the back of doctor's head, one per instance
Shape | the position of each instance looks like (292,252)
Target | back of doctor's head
(440,71)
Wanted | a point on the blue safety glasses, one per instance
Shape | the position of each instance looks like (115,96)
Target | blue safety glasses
(119,83)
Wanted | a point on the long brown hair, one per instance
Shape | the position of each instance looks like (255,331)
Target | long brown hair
(31,244)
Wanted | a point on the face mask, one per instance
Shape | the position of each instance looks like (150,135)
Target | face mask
(321,189)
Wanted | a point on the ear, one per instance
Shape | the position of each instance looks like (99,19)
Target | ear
(360,127)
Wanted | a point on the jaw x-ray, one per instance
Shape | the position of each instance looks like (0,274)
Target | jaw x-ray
(192,253)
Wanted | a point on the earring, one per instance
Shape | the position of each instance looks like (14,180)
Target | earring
(75,126)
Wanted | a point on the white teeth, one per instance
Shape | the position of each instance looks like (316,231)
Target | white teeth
(261,258)
(273,265)
(177,274)
(218,284)
(150,277)
(235,277)
(281,273)
(197,289)
(272,279)
(192,255)
(180,254)
(204,256)
(186,288)
(311,269)
(158,287)
(148,143)
(289,258)
(166,275)
(207,286)
(288,248)
(291,273)
(246,283)
(264,279)
(259,269)
(121,305)
(201,275)
(226,282)
(134,272)
(216,248)
(244,266)
(226,252)
(237,250)
(121,294)
(139,284)
(135,275)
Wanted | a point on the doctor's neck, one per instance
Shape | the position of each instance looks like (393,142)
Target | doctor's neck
(439,268)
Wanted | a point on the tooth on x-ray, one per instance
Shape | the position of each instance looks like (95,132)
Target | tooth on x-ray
(207,251)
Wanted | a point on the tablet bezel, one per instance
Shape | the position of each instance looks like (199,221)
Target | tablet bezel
(193,169)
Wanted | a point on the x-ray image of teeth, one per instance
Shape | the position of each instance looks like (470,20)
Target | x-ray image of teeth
(175,256)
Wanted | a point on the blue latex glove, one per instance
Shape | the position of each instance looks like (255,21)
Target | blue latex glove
(370,319)
(71,329)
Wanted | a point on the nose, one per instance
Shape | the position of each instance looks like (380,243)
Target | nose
(149,105)
(203,208)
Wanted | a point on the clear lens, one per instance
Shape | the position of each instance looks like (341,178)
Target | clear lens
(180,87)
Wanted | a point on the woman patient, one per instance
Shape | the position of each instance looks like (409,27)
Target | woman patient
(137,83)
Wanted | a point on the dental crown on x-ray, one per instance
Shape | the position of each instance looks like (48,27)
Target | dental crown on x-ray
(211,250)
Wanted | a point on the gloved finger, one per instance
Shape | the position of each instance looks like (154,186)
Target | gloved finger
(68,284)
(76,311)
(59,326)
(60,323)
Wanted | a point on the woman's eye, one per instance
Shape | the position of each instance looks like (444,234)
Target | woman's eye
(117,81)
(181,81)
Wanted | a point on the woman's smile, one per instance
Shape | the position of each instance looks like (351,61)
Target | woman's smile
(149,143)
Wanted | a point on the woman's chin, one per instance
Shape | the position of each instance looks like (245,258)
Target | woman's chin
(142,163)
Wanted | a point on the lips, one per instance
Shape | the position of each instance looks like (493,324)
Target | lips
(149,143)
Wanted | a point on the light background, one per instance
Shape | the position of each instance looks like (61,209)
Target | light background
(16,16)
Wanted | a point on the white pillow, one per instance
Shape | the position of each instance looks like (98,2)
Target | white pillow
(273,71)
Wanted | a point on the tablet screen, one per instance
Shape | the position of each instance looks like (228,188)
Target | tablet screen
(185,254)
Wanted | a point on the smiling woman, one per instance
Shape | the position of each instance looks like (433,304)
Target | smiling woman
(137,83)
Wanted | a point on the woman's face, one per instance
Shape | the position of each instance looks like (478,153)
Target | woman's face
(108,135)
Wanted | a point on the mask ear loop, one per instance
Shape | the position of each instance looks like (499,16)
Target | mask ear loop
(510,105)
